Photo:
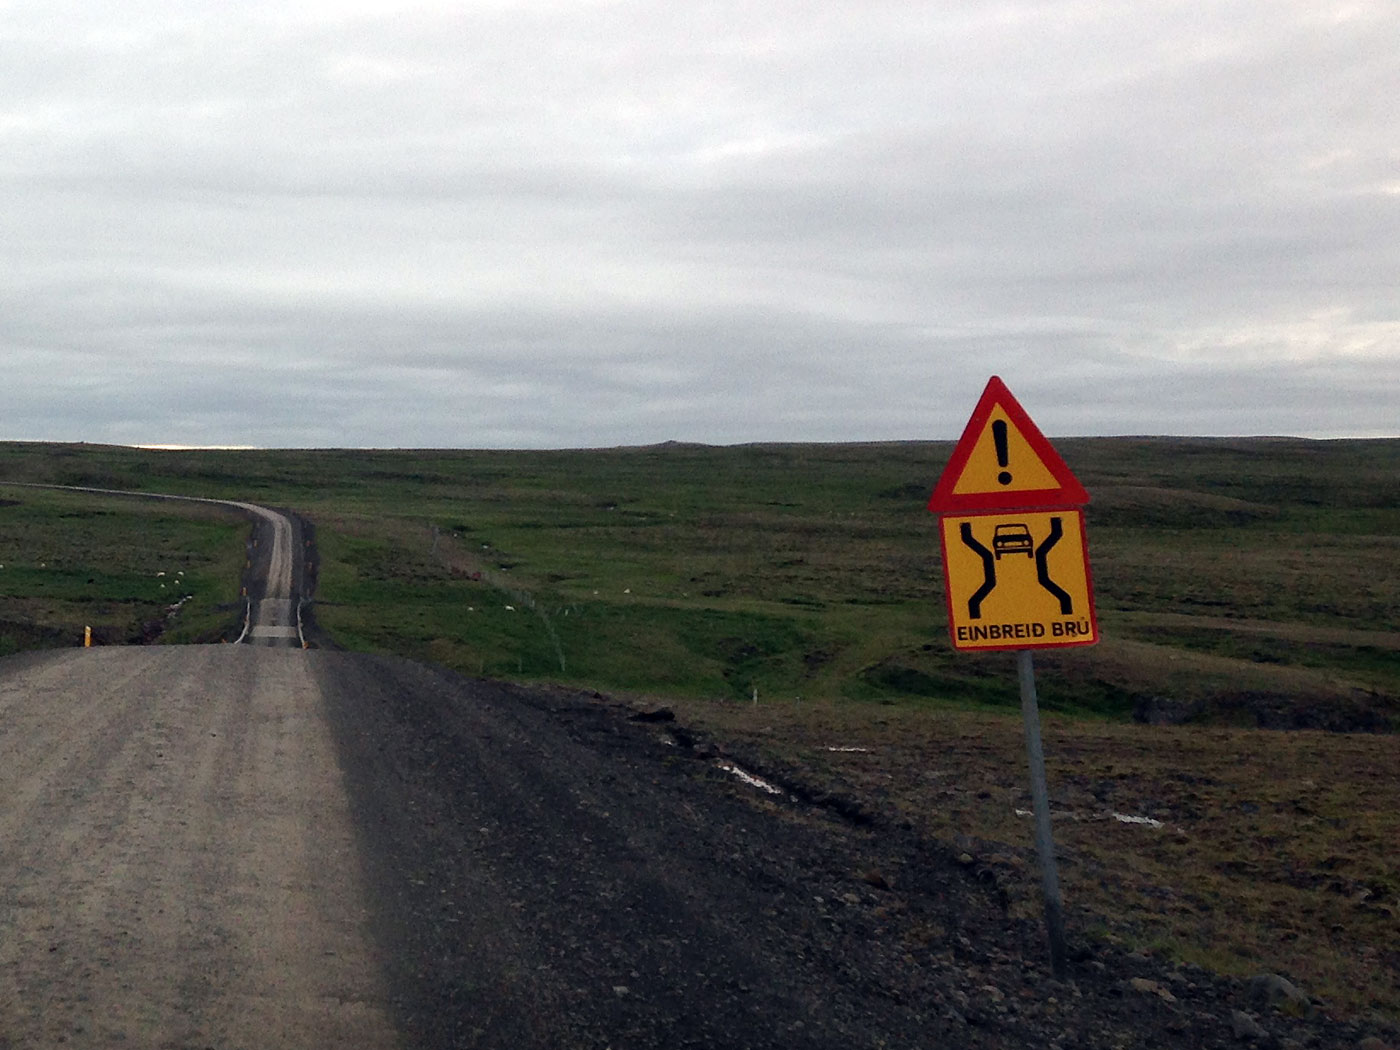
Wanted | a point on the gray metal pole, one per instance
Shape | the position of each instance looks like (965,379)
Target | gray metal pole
(1040,796)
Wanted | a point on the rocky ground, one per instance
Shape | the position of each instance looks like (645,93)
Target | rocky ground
(239,847)
(682,898)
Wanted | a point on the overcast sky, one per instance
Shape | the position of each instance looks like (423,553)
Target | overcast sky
(543,224)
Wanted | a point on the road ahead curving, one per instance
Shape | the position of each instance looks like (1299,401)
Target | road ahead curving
(273,614)
(274,607)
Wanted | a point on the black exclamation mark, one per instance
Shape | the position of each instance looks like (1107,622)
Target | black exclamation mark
(999,436)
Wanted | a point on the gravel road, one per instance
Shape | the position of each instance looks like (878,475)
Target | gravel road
(178,865)
(241,846)
(249,847)
(273,595)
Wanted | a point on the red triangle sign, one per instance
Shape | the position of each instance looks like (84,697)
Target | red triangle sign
(1003,462)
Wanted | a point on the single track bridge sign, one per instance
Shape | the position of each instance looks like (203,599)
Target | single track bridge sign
(1018,580)
(1015,552)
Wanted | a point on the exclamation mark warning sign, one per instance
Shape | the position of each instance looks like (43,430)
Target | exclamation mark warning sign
(999,437)
(1004,461)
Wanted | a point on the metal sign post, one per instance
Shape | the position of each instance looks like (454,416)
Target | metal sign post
(1040,797)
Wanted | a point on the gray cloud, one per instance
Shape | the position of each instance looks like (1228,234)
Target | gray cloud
(616,222)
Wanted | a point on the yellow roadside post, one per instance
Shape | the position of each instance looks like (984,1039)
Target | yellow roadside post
(87,637)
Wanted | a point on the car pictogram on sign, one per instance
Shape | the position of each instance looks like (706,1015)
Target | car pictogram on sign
(1014,538)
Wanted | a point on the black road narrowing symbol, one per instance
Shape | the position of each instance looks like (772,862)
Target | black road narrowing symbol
(989,571)
(989,565)
(1042,570)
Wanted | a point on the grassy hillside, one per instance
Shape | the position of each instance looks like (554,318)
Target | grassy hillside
(133,571)
(1241,581)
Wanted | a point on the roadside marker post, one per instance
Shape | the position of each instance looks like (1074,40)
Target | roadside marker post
(1016,574)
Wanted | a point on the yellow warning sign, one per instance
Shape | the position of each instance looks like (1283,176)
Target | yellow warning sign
(1003,462)
(1018,580)
(1000,446)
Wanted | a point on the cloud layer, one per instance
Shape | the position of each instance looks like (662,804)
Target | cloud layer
(559,224)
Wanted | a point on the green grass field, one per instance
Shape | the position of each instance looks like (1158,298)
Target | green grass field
(134,571)
(1239,583)
(1238,579)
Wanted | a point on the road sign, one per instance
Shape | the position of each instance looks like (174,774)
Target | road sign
(1018,580)
(1016,568)
(1003,462)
